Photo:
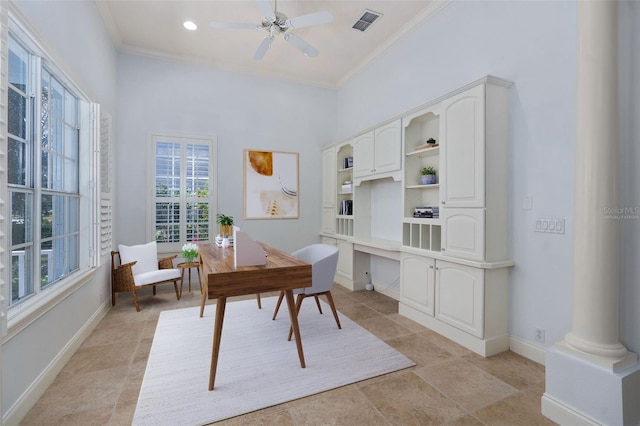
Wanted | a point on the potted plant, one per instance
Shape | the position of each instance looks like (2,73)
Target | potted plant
(428,175)
(226,224)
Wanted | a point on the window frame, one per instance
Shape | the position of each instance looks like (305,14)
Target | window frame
(183,199)
(44,297)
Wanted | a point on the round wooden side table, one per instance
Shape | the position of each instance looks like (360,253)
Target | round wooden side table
(187,266)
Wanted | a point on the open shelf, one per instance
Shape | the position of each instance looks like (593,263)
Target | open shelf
(431,186)
(425,152)
(344,225)
(418,128)
(424,234)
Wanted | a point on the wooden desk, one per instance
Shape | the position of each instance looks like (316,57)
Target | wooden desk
(282,272)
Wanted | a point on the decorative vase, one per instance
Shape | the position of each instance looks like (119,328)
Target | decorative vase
(428,179)
(226,230)
(225,242)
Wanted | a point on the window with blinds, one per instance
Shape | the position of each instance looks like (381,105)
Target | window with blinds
(183,191)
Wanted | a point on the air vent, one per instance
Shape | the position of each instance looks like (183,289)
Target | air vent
(366,20)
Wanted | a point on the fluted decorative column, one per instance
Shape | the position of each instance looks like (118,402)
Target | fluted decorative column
(590,375)
(596,237)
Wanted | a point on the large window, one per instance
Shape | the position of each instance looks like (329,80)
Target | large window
(43,174)
(183,187)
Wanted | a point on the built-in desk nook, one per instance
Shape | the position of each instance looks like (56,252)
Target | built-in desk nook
(440,249)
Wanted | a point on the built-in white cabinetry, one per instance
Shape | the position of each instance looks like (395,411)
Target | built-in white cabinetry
(328,220)
(418,277)
(345,259)
(329,177)
(352,268)
(378,153)
(418,128)
(363,151)
(337,190)
(454,265)
(329,190)
(459,297)
(463,233)
(473,167)
(463,165)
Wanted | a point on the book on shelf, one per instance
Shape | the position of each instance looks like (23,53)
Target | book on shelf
(346,207)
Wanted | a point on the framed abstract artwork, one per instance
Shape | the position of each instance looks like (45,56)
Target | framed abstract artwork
(271,185)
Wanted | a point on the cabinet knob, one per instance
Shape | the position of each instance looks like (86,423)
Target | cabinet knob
(442,249)
(430,267)
(443,202)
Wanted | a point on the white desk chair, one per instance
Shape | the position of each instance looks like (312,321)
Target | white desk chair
(324,261)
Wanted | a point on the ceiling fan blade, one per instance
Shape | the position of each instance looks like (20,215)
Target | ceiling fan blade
(316,18)
(262,49)
(235,25)
(304,47)
(266,10)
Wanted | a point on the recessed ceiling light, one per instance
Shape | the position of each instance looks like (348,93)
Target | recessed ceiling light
(190,25)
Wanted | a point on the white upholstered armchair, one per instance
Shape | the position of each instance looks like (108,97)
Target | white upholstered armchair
(134,267)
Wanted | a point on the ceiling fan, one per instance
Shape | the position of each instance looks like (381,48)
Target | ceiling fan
(275,22)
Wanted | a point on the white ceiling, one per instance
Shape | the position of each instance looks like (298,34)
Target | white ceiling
(154,28)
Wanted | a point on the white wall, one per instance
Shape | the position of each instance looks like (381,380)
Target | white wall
(532,44)
(243,112)
(74,33)
(629,57)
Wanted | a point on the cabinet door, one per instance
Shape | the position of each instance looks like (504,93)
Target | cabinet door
(463,233)
(329,177)
(463,150)
(329,220)
(388,148)
(363,155)
(460,297)
(345,259)
(417,282)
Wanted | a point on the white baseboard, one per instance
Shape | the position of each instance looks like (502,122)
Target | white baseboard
(563,415)
(527,350)
(28,399)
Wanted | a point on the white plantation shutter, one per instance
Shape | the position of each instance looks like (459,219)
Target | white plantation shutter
(106,174)
(106,179)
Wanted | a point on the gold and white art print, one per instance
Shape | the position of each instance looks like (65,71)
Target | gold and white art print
(270,185)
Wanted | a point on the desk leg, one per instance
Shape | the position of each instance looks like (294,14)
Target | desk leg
(294,323)
(217,334)
(203,298)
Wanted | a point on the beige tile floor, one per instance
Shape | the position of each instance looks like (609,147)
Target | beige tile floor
(449,385)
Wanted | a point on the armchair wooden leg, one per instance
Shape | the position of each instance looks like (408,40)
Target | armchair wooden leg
(175,285)
(259,301)
(135,299)
(278,305)
(154,290)
(113,296)
(333,308)
(318,303)
(299,300)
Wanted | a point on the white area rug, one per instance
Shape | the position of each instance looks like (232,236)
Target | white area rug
(257,366)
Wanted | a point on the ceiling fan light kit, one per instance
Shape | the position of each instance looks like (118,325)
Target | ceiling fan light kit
(275,23)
